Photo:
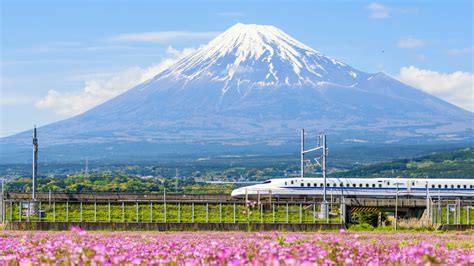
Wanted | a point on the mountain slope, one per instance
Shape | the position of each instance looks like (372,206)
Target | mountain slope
(256,85)
(449,164)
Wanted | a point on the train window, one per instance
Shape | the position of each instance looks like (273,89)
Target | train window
(445,186)
(432,186)
(302,184)
(459,186)
(292,182)
(341,185)
(308,185)
(373,185)
(360,185)
(354,185)
(471,186)
(322,185)
(412,183)
(452,186)
(388,183)
(315,185)
(328,185)
(286,183)
(380,185)
(366,185)
(439,186)
(465,186)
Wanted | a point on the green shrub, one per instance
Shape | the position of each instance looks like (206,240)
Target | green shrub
(361,227)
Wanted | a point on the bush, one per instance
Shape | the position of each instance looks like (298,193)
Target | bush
(361,227)
(372,218)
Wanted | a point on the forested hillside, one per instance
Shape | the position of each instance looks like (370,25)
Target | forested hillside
(451,164)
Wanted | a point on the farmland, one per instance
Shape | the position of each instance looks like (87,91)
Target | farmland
(349,248)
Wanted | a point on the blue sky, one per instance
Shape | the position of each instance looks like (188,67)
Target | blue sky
(59,58)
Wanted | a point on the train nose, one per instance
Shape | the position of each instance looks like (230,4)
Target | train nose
(236,192)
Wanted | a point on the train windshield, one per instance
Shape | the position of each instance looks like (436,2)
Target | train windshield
(267,182)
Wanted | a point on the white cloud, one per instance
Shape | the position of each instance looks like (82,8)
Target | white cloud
(163,36)
(409,43)
(103,87)
(459,51)
(456,87)
(378,11)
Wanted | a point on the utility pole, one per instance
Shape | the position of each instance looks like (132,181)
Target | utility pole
(35,163)
(323,138)
(49,198)
(302,154)
(86,170)
(428,209)
(2,218)
(176,179)
(396,209)
(440,211)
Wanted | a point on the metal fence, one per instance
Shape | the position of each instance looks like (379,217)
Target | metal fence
(455,211)
(163,211)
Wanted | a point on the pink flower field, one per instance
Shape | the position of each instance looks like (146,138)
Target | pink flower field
(79,247)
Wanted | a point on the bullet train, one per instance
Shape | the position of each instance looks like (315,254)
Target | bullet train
(356,187)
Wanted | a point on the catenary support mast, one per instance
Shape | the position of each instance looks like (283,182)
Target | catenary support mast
(35,163)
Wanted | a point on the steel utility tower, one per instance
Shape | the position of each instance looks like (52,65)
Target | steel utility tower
(321,146)
(35,163)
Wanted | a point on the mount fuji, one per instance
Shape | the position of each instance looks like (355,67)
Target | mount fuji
(251,85)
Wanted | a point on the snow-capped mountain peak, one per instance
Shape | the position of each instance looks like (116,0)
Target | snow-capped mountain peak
(260,55)
(252,87)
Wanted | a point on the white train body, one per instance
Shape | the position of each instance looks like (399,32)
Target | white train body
(365,187)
